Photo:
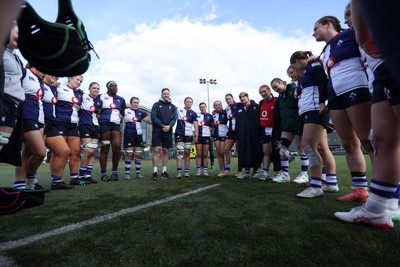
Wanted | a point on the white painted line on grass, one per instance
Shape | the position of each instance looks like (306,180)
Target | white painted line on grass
(68,228)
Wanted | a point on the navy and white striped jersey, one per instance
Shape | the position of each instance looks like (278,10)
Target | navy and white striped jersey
(370,65)
(33,106)
(185,120)
(309,97)
(205,122)
(231,112)
(343,64)
(111,108)
(68,104)
(49,100)
(88,111)
(220,124)
(133,119)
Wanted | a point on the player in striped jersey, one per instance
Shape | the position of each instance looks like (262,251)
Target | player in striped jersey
(314,120)
(205,122)
(52,136)
(34,149)
(381,207)
(186,132)
(349,99)
(133,136)
(69,99)
(89,131)
(110,110)
(220,130)
(231,138)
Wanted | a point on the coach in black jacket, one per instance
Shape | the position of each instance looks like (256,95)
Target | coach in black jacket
(163,116)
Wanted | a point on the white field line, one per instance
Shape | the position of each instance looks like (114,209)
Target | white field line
(68,228)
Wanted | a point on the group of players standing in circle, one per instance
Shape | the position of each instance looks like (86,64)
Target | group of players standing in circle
(66,120)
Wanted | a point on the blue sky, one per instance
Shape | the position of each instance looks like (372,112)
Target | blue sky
(148,45)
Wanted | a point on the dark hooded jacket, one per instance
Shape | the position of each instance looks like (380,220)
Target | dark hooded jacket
(248,136)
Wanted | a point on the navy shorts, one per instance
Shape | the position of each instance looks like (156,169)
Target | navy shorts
(50,129)
(30,125)
(161,139)
(204,140)
(89,131)
(183,138)
(9,112)
(349,99)
(221,139)
(385,88)
(109,127)
(131,140)
(231,135)
(68,129)
(265,139)
(312,117)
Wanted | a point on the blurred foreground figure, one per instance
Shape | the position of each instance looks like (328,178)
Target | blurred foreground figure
(8,12)
(381,17)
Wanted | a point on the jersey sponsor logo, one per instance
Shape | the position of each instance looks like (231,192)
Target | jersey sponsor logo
(54,100)
(330,63)
(185,118)
(75,100)
(135,119)
(113,106)
(39,93)
(217,122)
(202,123)
(92,108)
(230,116)
(264,114)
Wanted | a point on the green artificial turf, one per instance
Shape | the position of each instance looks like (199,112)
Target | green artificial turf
(236,223)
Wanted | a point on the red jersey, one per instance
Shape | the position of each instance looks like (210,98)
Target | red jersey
(267,109)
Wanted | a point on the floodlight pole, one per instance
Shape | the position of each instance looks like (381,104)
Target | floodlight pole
(208,82)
